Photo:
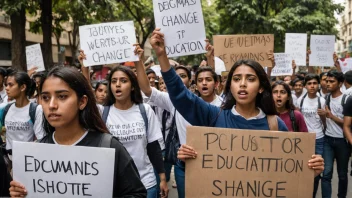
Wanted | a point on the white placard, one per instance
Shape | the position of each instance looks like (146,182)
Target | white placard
(108,43)
(322,50)
(34,57)
(283,65)
(72,171)
(296,46)
(183,25)
(345,64)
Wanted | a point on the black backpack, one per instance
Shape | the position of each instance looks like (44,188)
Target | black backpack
(32,111)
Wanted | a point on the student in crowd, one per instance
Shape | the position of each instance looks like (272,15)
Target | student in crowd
(162,101)
(248,104)
(298,85)
(162,86)
(348,83)
(313,109)
(323,91)
(101,89)
(347,122)
(124,107)
(152,77)
(284,106)
(22,112)
(3,95)
(335,146)
(72,118)
(207,82)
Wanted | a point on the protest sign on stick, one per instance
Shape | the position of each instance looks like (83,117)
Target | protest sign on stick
(231,48)
(283,65)
(34,57)
(49,170)
(249,163)
(296,46)
(322,50)
(108,43)
(183,26)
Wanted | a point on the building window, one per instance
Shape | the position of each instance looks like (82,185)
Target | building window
(344,45)
(349,31)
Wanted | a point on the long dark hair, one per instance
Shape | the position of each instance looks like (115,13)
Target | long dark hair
(289,103)
(264,100)
(89,117)
(136,95)
(22,78)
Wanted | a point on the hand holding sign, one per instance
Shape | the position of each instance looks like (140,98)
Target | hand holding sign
(17,189)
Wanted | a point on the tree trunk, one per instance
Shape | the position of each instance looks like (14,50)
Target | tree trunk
(18,42)
(74,42)
(46,19)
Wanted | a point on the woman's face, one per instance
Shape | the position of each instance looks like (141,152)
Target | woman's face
(60,103)
(121,86)
(184,77)
(101,93)
(245,85)
(280,96)
(13,90)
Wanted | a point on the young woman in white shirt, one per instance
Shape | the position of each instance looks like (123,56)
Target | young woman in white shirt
(125,121)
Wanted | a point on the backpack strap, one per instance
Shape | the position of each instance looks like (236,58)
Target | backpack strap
(164,118)
(319,103)
(32,111)
(272,121)
(145,118)
(301,105)
(6,109)
(343,101)
(293,120)
(105,140)
(327,98)
(106,113)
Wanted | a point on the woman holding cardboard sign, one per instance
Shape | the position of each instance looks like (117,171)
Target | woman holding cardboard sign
(248,103)
(72,118)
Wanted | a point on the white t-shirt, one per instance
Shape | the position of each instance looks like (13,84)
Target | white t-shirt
(129,127)
(309,111)
(162,100)
(19,126)
(3,96)
(217,101)
(333,129)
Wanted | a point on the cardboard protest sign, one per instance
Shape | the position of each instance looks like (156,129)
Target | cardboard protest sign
(49,170)
(34,57)
(345,64)
(108,43)
(231,48)
(283,65)
(296,46)
(322,49)
(249,163)
(183,25)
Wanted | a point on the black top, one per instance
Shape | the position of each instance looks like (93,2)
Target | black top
(127,182)
(347,108)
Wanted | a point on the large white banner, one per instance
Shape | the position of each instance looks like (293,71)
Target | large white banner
(322,50)
(183,25)
(49,170)
(34,57)
(108,43)
(283,65)
(296,46)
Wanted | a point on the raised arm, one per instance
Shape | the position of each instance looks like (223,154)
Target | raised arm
(336,62)
(85,70)
(142,76)
(272,59)
(192,108)
(210,54)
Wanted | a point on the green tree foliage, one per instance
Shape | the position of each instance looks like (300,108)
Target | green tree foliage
(278,17)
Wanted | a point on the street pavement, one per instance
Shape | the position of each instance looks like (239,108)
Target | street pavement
(173,191)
